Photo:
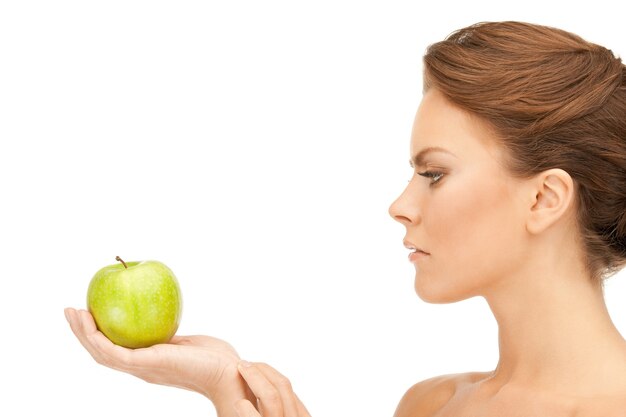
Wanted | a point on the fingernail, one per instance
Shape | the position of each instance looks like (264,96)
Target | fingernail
(67,314)
(244,364)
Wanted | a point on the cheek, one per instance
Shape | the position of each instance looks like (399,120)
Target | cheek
(470,232)
(462,217)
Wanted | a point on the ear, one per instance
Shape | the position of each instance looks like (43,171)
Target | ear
(552,194)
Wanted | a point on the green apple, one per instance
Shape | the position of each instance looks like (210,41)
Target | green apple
(135,304)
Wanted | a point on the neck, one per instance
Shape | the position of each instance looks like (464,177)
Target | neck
(555,333)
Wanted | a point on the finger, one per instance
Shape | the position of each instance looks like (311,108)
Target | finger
(270,402)
(114,356)
(101,349)
(108,353)
(302,411)
(244,408)
(282,383)
(76,325)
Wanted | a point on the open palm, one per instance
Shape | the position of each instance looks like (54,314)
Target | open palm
(199,363)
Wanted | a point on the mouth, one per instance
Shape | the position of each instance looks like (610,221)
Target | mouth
(413,248)
(416,256)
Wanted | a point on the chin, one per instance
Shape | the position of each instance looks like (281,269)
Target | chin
(440,292)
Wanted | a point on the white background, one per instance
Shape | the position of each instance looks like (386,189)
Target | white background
(252,146)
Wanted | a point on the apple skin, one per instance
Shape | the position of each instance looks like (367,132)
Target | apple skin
(135,306)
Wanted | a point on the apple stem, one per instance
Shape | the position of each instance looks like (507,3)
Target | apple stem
(117,258)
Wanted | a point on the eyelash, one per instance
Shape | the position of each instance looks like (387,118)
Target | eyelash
(431,174)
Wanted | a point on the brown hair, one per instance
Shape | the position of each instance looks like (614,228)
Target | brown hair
(555,101)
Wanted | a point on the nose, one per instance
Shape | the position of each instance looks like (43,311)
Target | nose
(404,209)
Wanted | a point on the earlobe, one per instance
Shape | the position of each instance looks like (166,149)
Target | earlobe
(553,194)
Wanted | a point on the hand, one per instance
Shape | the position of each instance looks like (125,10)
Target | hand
(275,396)
(198,363)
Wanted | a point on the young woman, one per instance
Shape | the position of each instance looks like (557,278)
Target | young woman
(518,196)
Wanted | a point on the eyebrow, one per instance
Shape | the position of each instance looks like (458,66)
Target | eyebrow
(418,159)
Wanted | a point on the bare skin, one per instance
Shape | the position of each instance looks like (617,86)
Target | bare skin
(465,395)
(515,243)
(203,364)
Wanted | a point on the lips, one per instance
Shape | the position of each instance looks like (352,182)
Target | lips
(413,247)
(418,255)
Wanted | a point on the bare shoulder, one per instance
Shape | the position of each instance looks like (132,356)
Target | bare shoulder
(425,398)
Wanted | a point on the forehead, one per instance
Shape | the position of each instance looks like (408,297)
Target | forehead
(440,123)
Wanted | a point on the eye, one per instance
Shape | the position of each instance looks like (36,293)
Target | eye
(434,175)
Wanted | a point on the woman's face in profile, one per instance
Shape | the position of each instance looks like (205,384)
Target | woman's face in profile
(467,214)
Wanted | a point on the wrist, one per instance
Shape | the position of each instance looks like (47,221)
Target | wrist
(225,407)
(225,410)
(224,402)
